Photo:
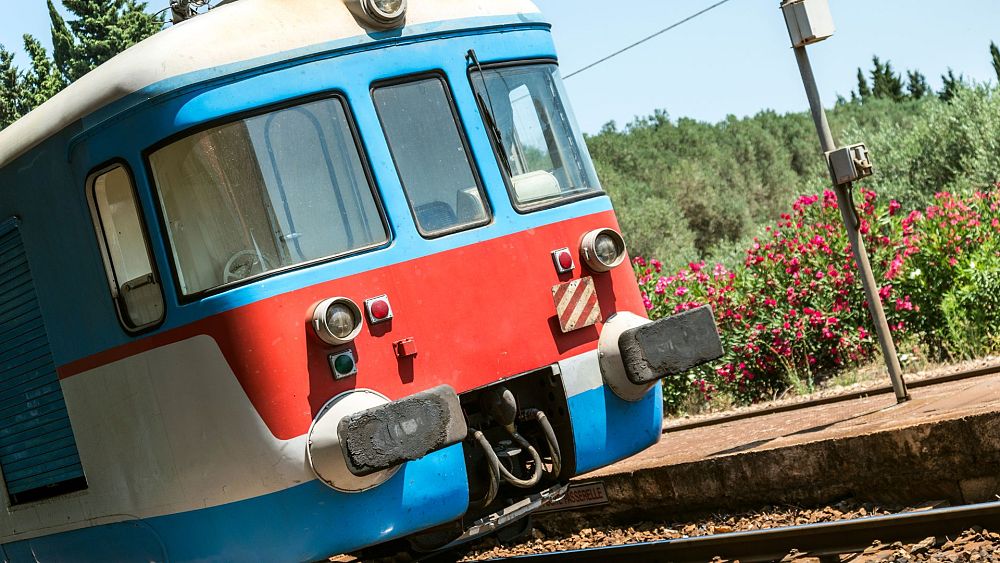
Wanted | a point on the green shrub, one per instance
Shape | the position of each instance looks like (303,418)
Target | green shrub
(720,182)
(951,146)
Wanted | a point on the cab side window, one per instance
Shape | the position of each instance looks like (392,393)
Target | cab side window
(134,286)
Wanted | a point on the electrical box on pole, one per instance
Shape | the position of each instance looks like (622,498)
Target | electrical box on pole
(808,21)
(850,164)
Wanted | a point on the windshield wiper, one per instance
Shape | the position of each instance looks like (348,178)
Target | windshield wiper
(486,108)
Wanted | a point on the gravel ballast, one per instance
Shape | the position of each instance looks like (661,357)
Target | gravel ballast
(572,531)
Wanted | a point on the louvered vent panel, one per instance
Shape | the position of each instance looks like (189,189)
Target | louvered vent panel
(38,453)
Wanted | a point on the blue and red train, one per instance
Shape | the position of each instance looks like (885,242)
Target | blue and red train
(292,279)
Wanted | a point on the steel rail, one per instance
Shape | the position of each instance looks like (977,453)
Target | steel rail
(825,540)
(881,390)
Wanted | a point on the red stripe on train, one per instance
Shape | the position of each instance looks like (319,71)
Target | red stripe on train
(477,314)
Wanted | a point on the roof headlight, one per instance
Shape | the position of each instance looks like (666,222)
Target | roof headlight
(602,249)
(337,320)
(385,13)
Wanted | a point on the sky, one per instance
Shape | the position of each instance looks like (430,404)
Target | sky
(733,60)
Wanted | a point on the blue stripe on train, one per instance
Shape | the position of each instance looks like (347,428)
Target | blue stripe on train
(307,522)
(607,429)
(310,521)
(286,58)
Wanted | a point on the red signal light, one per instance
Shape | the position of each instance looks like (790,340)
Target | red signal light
(378,309)
(563,260)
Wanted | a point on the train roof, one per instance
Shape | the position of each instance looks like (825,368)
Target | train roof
(233,37)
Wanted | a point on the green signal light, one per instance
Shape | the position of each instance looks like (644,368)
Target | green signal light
(344,364)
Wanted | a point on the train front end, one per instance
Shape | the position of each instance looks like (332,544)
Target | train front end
(378,293)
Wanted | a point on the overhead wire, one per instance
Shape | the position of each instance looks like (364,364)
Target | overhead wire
(645,39)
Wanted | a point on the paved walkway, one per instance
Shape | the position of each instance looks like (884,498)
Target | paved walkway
(942,444)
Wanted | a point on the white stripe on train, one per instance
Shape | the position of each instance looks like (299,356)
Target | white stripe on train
(171,430)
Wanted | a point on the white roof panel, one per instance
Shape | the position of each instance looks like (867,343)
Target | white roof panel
(245,31)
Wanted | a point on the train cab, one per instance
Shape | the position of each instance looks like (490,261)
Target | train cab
(293,279)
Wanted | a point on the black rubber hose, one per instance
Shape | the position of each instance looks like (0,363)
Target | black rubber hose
(550,438)
(536,474)
(494,466)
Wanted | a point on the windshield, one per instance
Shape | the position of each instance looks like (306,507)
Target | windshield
(544,151)
(265,193)
(429,151)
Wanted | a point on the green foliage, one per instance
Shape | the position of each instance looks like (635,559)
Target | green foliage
(43,80)
(864,92)
(709,186)
(995,58)
(916,85)
(950,265)
(101,29)
(886,83)
(686,184)
(953,146)
(951,85)
(11,105)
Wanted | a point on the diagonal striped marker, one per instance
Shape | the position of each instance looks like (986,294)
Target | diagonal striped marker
(576,304)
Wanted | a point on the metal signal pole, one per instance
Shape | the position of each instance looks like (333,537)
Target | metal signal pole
(809,21)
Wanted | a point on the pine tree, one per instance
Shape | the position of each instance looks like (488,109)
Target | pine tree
(43,80)
(885,82)
(11,99)
(917,85)
(864,92)
(103,29)
(62,42)
(952,84)
(995,55)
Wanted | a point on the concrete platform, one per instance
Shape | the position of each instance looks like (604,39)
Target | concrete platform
(944,444)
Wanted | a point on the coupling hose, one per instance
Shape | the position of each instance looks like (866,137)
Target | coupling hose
(494,465)
(550,438)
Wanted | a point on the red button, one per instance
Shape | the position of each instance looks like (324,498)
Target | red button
(380,309)
(565,260)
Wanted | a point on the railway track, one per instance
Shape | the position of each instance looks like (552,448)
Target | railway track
(827,540)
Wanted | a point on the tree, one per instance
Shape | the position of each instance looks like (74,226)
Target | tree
(100,30)
(103,29)
(917,85)
(885,82)
(995,56)
(951,85)
(11,102)
(43,80)
(864,92)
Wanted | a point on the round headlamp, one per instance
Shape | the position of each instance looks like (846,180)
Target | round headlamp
(336,320)
(385,13)
(602,249)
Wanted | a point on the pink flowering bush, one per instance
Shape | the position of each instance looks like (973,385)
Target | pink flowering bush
(794,309)
(950,263)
